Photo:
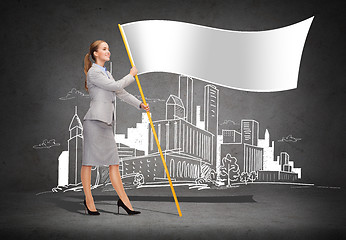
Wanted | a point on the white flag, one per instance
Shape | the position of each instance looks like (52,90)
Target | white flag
(260,61)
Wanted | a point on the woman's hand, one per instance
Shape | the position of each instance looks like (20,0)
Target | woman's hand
(145,107)
(133,71)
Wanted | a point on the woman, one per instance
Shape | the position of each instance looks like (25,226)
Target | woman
(99,146)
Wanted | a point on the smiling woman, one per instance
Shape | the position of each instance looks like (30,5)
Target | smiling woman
(99,146)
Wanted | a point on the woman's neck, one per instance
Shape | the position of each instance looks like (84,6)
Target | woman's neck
(102,64)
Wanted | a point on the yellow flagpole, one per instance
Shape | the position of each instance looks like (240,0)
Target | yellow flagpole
(152,125)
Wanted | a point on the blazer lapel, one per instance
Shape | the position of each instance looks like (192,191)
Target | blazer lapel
(99,69)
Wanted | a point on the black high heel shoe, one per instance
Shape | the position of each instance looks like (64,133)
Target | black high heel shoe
(129,211)
(90,212)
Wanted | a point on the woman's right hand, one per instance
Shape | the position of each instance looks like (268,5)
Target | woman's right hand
(145,107)
(133,71)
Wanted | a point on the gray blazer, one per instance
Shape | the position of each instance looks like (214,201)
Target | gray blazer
(102,91)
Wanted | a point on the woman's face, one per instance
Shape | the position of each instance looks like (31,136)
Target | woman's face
(103,54)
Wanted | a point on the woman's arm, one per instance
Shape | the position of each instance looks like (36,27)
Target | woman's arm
(100,80)
(128,98)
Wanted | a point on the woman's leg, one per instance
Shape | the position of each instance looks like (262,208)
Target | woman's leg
(115,177)
(86,181)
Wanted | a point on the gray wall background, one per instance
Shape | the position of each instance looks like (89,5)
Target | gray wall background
(44,43)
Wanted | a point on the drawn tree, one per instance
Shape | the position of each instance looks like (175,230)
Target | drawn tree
(253,176)
(230,168)
(244,176)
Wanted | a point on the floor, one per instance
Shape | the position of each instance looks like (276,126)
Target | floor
(245,212)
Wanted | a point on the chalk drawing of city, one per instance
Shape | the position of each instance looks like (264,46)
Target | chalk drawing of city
(195,154)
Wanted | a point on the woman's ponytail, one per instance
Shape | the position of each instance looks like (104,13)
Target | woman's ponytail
(87,63)
(87,66)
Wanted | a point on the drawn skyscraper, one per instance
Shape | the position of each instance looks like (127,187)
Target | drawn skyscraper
(249,131)
(75,144)
(211,113)
(268,153)
(186,95)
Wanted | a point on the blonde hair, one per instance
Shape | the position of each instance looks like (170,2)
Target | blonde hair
(87,63)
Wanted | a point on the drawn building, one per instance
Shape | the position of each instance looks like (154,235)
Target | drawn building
(243,146)
(253,158)
(75,144)
(288,166)
(286,172)
(186,141)
(125,152)
(175,108)
(63,169)
(182,137)
(70,161)
(279,168)
(137,138)
(231,136)
(254,154)
(185,147)
(269,163)
(185,94)
(249,131)
(211,114)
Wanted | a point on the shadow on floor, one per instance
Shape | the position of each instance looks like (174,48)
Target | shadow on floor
(69,203)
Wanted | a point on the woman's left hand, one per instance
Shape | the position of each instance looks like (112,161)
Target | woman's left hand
(145,107)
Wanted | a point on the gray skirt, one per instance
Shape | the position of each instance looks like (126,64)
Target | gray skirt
(99,146)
